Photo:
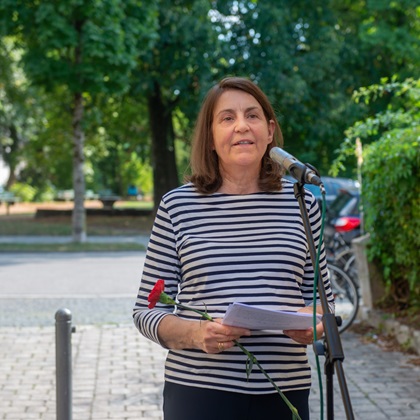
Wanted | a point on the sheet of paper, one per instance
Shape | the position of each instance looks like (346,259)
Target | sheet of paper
(256,318)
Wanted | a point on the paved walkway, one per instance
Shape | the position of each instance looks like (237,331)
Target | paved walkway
(117,374)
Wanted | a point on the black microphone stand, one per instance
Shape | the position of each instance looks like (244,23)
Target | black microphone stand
(331,347)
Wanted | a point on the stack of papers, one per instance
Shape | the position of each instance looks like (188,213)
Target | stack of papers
(255,318)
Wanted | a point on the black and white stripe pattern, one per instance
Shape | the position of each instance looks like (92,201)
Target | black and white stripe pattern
(213,250)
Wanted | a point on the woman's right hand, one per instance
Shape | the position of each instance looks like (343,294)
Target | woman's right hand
(209,336)
(214,337)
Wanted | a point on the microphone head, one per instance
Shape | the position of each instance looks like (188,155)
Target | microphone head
(298,170)
(281,156)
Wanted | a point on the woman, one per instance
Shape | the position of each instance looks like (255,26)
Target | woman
(232,234)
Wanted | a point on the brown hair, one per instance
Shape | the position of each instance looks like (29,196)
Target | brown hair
(204,160)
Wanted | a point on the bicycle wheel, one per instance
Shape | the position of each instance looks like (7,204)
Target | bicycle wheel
(346,260)
(346,296)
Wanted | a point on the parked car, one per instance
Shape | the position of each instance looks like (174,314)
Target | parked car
(343,216)
(332,186)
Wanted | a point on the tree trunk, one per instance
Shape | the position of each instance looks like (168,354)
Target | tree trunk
(11,179)
(165,175)
(79,213)
(11,157)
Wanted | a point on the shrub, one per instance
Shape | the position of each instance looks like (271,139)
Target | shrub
(391,183)
(45,193)
(23,191)
(391,200)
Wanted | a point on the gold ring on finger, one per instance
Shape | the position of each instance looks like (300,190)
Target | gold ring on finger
(221,346)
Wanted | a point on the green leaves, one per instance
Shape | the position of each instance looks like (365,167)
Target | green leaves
(391,199)
(391,180)
(402,112)
(87,46)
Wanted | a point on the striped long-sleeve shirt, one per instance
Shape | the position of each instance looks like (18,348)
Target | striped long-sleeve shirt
(213,250)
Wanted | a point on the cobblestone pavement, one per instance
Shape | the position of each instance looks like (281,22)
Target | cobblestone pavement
(118,374)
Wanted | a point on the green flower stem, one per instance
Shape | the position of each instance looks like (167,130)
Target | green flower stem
(204,315)
(253,359)
(164,298)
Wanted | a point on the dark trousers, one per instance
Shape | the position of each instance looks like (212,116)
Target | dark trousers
(190,403)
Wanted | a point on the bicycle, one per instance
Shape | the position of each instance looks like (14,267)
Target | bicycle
(346,295)
(340,254)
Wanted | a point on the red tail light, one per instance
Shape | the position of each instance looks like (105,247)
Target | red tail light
(345,224)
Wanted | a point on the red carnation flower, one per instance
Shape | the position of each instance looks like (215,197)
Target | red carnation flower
(154,295)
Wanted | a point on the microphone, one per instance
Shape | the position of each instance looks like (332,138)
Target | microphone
(301,172)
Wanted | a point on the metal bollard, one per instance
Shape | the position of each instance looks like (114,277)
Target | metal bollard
(63,364)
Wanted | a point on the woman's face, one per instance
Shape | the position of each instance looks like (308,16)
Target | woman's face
(241,132)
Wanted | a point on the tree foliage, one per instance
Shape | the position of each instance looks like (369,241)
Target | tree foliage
(159,58)
(85,46)
(171,76)
(293,52)
(20,111)
(310,60)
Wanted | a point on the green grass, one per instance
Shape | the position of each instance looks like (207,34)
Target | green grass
(141,205)
(27,224)
(60,226)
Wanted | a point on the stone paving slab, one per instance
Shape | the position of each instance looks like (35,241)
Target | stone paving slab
(118,374)
(87,310)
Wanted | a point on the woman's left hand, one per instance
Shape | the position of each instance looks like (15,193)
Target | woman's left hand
(306,336)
